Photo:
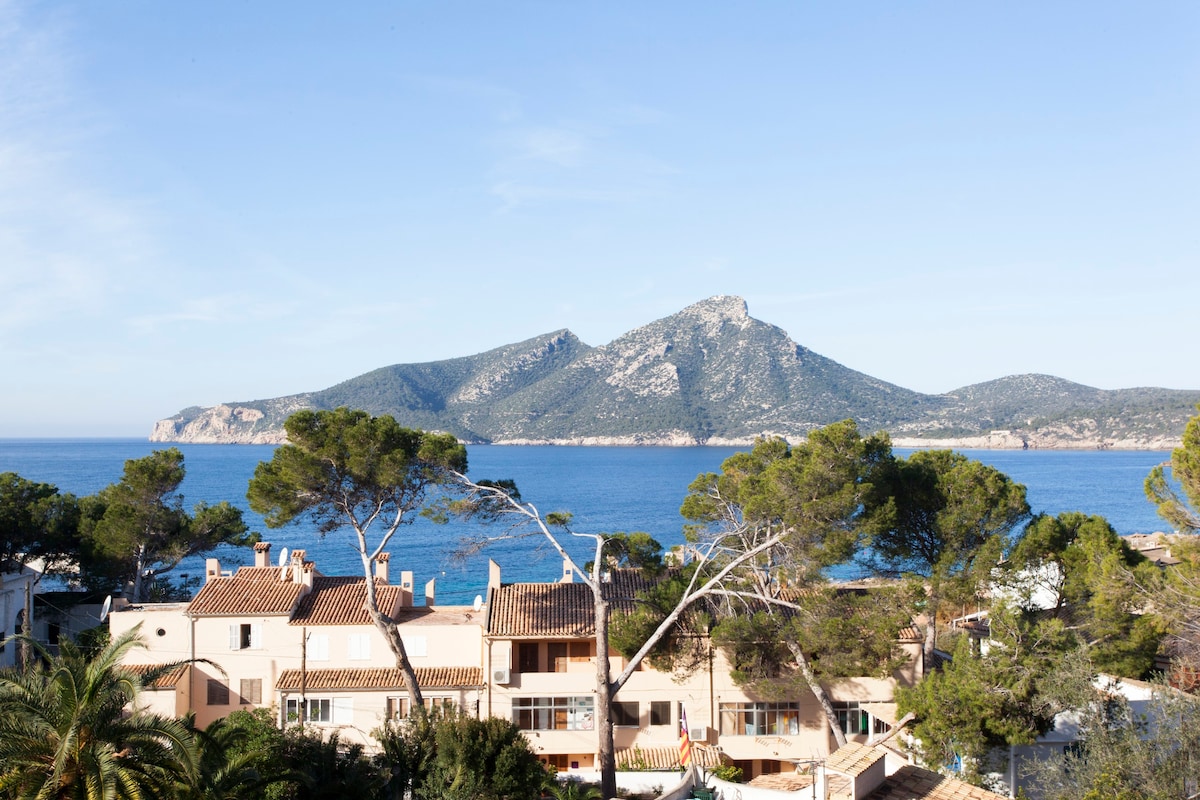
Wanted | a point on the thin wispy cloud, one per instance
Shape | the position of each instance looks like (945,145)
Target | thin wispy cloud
(64,247)
(559,146)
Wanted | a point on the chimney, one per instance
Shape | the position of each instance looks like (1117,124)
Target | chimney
(212,569)
(493,574)
(297,565)
(262,554)
(568,575)
(406,588)
(381,567)
(429,592)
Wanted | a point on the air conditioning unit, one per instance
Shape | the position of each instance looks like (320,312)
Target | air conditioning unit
(698,735)
(500,675)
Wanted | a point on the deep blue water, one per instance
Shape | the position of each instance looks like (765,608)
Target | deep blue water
(607,489)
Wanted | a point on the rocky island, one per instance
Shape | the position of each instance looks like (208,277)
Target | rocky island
(708,375)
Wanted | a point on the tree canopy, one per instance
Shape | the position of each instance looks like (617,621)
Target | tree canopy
(1070,575)
(1182,511)
(801,511)
(136,530)
(36,522)
(945,519)
(347,470)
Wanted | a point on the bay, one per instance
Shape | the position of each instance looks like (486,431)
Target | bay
(607,489)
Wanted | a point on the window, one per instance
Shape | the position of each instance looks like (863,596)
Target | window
(416,646)
(852,720)
(760,719)
(556,657)
(554,713)
(251,691)
(398,707)
(218,692)
(660,712)
(338,710)
(245,636)
(53,632)
(581,651)
(360,646)
(627,714)
(527,657)
(317,647)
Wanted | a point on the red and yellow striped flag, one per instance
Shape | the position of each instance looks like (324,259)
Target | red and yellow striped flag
(685,741)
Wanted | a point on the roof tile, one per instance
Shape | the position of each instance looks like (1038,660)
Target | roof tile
(853,759)
(316,680)
(249,593)
(168,678)
(342,601)
(915,783)
(541,609)
(666,757)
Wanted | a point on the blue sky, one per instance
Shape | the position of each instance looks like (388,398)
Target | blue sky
(218,201)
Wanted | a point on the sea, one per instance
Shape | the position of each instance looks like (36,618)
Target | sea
(606,489)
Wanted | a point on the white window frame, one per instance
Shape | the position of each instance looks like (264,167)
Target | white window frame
(245,636)
(575,713)
(324,710)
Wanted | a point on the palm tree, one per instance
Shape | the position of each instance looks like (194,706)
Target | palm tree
(70,729)
(575,790)
(226,770)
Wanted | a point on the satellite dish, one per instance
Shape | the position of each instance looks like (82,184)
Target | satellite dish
(283,554)
(107,607)
(283,573)
(478,604)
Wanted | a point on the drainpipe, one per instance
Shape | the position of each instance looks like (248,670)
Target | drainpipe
(302,706)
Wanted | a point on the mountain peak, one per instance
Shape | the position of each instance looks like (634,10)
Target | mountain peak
(725,306)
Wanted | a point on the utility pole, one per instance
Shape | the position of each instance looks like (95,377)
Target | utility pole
(27,628)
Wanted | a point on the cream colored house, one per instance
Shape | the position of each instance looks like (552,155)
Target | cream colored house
(288,638)
(540,663)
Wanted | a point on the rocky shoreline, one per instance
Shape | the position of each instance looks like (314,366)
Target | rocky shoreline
(233,427)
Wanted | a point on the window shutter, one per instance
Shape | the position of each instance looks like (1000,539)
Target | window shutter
(235,637)
(256,642)
(360,646)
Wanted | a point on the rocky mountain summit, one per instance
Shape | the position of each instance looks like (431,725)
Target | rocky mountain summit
(709,374)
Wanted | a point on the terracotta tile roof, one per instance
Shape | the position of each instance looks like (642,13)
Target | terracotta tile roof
(783,781)
(853,759)
(518,610)
(378,679)
(914,783)
(247,592)
(910,634)
(342,601)
(263,574)
(169,678)
(666,757)
(541,609)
